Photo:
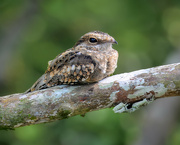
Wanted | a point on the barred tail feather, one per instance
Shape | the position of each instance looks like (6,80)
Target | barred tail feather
(38,85)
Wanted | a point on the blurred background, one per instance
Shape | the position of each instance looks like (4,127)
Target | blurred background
(148,34)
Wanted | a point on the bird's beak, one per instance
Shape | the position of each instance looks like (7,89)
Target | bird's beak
(115,42)
(111,40)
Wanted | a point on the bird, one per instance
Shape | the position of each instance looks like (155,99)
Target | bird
(90,60)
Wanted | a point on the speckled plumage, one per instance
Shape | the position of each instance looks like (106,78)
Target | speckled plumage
(91,59)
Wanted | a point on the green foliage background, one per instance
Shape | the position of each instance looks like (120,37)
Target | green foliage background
(147,32)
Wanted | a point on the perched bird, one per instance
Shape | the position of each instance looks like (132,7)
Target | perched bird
(91,59)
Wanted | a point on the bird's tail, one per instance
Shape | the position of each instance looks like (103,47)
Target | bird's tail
(38,85)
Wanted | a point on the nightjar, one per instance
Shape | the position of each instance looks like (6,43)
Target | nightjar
(91,59)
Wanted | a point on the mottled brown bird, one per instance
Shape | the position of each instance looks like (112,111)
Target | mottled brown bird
(91,59)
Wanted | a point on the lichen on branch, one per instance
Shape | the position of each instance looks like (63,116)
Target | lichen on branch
(125,92)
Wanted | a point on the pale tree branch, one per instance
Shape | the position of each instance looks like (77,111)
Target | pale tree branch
(127,92)
(156,127)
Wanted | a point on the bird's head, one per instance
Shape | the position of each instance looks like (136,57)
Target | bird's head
(96,40)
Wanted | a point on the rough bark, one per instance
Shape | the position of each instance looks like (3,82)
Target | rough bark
(127,92)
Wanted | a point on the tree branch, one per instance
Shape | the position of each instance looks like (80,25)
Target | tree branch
(127,92)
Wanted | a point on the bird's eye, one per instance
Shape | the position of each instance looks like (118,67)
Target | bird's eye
(93,40)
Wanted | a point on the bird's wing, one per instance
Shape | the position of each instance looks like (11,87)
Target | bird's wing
(70,67)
